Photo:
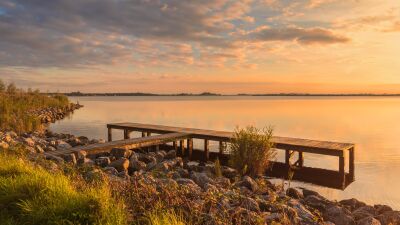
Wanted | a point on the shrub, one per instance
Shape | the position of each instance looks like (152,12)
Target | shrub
(252,150)
(31,195)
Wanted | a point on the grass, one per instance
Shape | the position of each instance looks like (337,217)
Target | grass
(31,195)
(15,105)
(251,150)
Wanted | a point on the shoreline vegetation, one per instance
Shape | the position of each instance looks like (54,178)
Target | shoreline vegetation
(75,94)
(147,187)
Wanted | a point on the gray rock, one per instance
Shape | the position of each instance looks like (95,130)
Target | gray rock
(273,217)
(111,171)
(363,212)
(170,155)
(185,181)
(136,165)
(389,217)
(249,183)
(368,221)
(382,209)
(120,164)
(50,149)
(29,141)
(229,172)
(294,193)
(62,145)
(103,161)
(159,156)
(200,179)
(304,214)
(39,149)
(70,158)
(250,204)
(307,193)
(352,203)
(317,202)
(338,215)
(120,153)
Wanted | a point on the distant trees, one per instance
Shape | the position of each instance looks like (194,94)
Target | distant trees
(11,88)
(2,86)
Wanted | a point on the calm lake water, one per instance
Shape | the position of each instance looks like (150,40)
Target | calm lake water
(372,123)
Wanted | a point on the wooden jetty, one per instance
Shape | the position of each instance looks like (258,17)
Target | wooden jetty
(338,179)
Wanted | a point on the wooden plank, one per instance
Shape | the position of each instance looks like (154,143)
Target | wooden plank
(304,145)
(126,134)
(351,163)
(342,169)
(109,134)
(127,144)
(182,147)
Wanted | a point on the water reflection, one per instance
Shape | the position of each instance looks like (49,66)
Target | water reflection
(370,122)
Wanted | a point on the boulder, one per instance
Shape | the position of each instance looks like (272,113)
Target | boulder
(62,145)
(111,171)
(389,217)
(120,153)
(249,183)
(29,141)
(352,203)
(103,161)
(294,193)
(70,158)
(185,181)
(50,149)
(170,155)
(39,149)
(338,215)
(200,179)
(363,212)
(307,192)
(317,202)
(304,214)
(229,172)
(250,204)
(136,165)
(368,221)
(382,209)
(120,164)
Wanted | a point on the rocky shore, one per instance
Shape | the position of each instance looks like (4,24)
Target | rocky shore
(213,193)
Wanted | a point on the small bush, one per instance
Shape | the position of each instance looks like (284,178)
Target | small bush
(31,195)
(169,217)
(252,150)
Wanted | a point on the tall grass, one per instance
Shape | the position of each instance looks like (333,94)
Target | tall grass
(31,195)
(251,150)
(16,105)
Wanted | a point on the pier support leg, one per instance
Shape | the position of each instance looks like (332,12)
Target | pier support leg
(351,164)
(109,134)
(222,146)
(206,150)
(175,144)
(342,172)
(143,134)
(189,143)
(182,147)
(301,159)
(148,134)
(126,134)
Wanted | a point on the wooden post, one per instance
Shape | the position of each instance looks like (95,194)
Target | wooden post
(148,134)
(287,157)
(143,134)
(126,134)
(182,147)
(221,147)
(189,143)
(342,172)
(206,150)
(351,164)
(301,159)
(109,134)
(175,144)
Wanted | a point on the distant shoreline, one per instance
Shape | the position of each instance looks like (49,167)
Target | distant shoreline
(76,94)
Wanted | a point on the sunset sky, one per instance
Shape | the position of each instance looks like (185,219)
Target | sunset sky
(172,46)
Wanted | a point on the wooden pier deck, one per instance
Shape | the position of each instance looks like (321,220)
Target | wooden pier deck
(339,179)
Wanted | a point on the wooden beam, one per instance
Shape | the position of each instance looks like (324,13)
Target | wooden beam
(206,150)
(109,134)
(189,143)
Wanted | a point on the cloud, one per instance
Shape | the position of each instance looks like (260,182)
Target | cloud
(301,35)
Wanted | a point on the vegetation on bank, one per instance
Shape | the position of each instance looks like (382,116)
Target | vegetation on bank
(17,107)
(251,150)
(30,194)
